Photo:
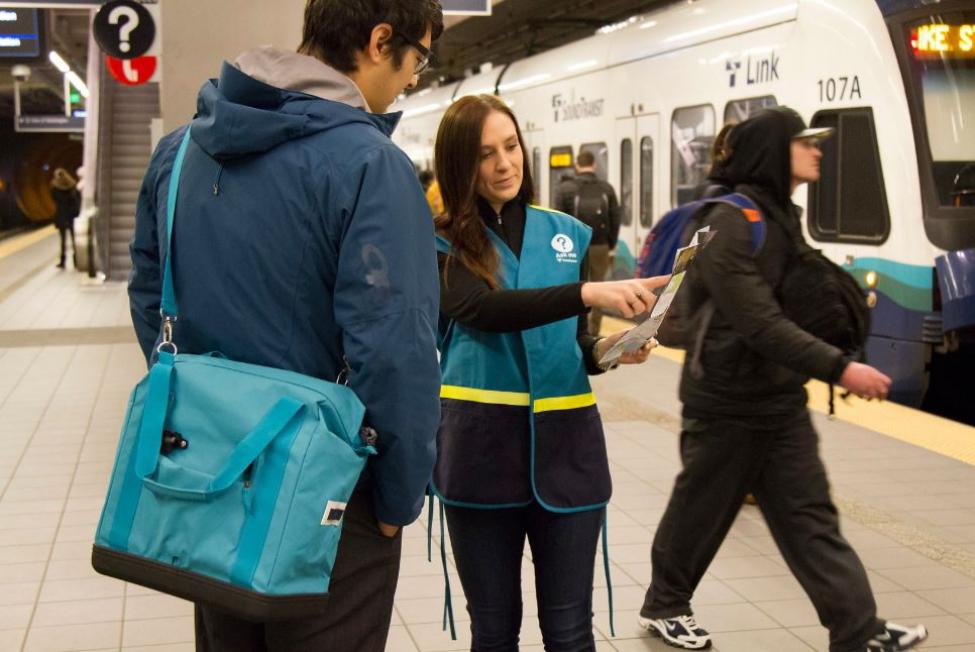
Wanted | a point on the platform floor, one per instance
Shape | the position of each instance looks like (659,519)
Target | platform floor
(68,361)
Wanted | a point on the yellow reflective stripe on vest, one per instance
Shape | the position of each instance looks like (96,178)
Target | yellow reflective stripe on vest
(565,402)
(522,399)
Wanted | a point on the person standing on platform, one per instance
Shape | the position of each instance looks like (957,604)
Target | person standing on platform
(67,201)
(745,421)
(520,452)
(434,199)
(593,201)
(307,245)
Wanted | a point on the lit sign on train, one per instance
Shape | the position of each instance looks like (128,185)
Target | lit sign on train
(943,41)
(560,160)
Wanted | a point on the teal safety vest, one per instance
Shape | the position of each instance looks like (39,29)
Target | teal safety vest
(518,417)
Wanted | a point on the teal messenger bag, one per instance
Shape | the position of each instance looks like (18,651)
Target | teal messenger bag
(231,479)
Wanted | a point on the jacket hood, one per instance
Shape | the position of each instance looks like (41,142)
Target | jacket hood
(760,155)
(273,97)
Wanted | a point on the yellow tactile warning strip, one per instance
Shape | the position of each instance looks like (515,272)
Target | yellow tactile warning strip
(18,242)
(938,435)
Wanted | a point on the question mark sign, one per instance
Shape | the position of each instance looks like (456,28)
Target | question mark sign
(131,22)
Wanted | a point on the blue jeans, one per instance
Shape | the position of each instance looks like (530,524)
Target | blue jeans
(488,547)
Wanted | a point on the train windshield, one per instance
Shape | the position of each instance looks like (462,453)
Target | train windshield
(941,53)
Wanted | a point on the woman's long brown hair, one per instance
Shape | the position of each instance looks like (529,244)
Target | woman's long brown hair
(458,157)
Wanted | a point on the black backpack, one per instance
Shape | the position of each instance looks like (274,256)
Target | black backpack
(825,301)
(591,206)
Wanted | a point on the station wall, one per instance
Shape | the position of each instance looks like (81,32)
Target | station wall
(199,36)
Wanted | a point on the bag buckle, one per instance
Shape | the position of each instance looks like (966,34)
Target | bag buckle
(167,338)
(368,435)
(173,441)
(343,377)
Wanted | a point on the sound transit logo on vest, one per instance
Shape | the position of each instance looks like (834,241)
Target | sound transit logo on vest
(565,249)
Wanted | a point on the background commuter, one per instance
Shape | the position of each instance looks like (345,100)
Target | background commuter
(593,201)
(426,178)
(434,199)
(745,421)
(307,245)
(67,201)
(513,462)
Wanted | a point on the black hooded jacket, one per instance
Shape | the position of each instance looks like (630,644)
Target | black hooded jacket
(755,360)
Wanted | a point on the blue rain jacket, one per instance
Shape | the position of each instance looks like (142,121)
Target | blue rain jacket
(302,237)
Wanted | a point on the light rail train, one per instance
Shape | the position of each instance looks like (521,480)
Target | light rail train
(895,78)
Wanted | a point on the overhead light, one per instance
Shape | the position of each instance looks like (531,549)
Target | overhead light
(58,62)
(582,65)
(77,83)
(744,20)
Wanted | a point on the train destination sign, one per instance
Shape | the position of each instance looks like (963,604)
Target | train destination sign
(943,41)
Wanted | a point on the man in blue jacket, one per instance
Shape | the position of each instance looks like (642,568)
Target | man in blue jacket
(303,242)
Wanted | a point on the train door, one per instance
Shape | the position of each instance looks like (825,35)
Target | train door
(637,141)
(535,157)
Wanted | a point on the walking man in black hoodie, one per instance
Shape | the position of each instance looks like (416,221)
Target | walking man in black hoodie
(593,201)
(745,421)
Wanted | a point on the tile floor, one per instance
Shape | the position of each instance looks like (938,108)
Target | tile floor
(67,364)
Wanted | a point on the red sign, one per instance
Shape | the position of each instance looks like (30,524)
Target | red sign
(132,72)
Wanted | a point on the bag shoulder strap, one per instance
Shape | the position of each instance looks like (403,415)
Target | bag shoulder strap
(756,221)
(753,215)
(168,308)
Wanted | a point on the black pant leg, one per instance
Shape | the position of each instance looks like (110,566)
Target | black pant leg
(217,631)
(793,493)
(488,547)
(564,554)
(360,604)
(721,458)
(62,233)
(74,251)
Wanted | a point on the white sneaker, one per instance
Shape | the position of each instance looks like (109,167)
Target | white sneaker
(896,638)
(680,631)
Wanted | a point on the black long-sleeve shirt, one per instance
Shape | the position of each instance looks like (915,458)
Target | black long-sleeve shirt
(467,298)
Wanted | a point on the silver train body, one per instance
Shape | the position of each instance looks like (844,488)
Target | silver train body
(895,78)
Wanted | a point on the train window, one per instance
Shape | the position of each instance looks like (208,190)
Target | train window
(849,203)
(692,131)
(601,153)
(561,168)
(646,181)
(737,111)
(948,90)
(626,181)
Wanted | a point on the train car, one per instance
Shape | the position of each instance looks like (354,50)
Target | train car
(894,78)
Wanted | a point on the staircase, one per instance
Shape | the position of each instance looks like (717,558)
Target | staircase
(124,152)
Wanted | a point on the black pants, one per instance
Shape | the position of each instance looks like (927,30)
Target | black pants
(67,230)
(488,545)
(360,600)
(778,461)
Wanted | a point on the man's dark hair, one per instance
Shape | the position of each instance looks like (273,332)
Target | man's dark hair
(336,29)
(586,159)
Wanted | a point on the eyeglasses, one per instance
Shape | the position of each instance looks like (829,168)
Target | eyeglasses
(425,55)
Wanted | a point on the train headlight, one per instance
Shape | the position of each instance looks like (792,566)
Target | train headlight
(871,280)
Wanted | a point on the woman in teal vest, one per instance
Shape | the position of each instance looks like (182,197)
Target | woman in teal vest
(521,451)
